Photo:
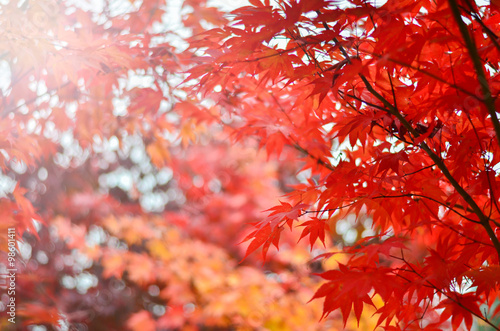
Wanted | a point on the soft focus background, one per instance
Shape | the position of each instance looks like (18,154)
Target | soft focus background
(128,202)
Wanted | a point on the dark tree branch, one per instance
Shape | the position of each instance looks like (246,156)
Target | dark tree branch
(484,220)
(478,66)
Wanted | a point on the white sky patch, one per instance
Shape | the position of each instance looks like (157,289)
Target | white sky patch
(5,76)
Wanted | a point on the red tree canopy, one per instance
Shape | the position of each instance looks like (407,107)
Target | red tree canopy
(394,110)
(138,148)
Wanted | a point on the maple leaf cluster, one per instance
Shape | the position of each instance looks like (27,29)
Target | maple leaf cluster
(142,142)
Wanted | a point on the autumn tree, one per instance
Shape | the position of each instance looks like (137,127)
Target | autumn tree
(140,140)
(393,108)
